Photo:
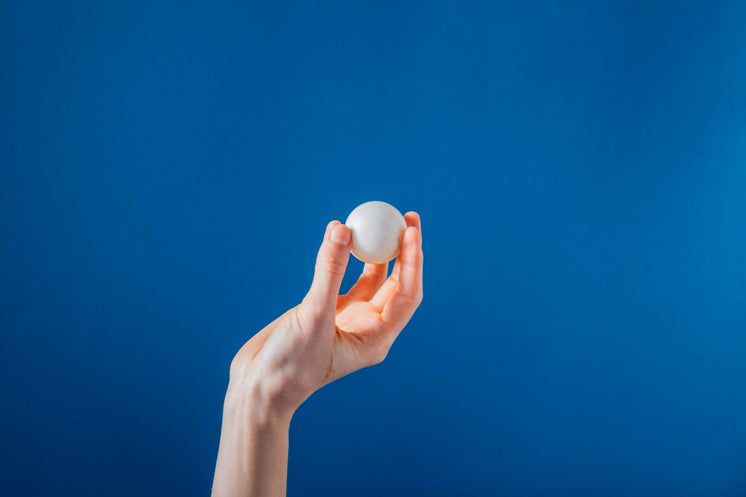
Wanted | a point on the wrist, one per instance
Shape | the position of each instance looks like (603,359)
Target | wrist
(258,403)
(252,459)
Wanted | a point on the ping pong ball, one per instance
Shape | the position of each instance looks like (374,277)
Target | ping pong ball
(377,229)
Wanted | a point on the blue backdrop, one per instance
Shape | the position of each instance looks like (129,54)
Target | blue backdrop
(167,171)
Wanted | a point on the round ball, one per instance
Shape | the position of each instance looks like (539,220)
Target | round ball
(377,229)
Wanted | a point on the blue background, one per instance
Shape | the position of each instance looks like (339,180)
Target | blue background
(167,171)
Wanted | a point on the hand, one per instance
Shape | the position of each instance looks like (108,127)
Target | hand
(328,335)
(323,338)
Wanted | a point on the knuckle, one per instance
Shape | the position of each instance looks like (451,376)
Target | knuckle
(381,354)
(413,299)
(307,316)
(237,367)
(377,357)
(379,350)
(331,264)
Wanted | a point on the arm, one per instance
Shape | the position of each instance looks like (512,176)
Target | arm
(325,337)
(253,454)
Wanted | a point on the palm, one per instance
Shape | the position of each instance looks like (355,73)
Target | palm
(358,318)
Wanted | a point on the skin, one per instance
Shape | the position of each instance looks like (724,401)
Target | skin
(325,337)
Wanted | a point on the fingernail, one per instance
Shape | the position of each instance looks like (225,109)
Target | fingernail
(341,234)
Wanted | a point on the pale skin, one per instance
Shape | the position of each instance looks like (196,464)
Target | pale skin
(324,338)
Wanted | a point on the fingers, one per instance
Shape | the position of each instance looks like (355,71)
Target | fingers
(370,281)
(392,284)
(331,263)
(407,295)
(413,219)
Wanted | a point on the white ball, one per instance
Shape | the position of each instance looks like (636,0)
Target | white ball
(377,229)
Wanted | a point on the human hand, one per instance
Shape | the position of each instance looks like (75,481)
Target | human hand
(328,335)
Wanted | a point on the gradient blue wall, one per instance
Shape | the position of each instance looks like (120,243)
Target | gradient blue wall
(167,171)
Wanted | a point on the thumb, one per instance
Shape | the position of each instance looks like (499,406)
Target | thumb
(331,263)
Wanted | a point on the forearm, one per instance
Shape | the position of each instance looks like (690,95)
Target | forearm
(253,454)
